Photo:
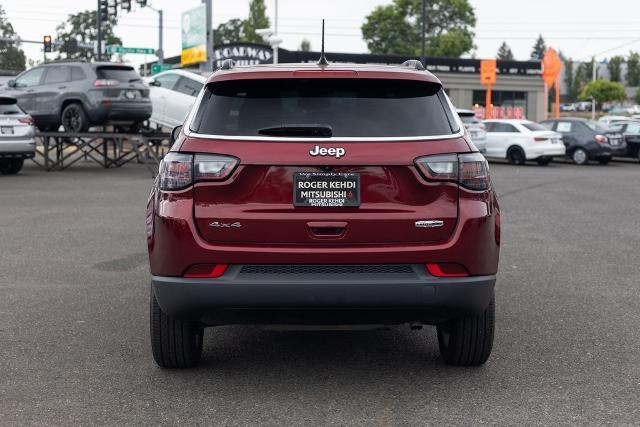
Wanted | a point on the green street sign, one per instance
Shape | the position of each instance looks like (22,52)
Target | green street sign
(158,68)
(138,50)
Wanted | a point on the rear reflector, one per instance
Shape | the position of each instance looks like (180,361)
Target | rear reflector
(447,270)
(205,271)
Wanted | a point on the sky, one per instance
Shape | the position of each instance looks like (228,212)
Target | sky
(579,28)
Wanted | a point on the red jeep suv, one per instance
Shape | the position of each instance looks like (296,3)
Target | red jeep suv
(306,194)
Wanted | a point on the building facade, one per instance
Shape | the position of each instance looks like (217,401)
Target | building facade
(518,92)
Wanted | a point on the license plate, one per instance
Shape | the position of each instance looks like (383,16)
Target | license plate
(326,189)
(6,130)
(131,94)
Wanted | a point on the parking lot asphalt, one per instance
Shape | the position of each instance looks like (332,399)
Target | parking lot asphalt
(74,345)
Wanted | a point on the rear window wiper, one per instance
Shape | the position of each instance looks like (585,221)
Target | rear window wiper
(301,130)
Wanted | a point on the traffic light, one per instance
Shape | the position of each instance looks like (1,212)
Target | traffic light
(125,5)
(46,40)
(104,10)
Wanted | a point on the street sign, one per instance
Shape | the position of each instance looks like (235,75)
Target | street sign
(137,50)
(488,71)
(551,66)
(194,36)
(488,79)
(158,68)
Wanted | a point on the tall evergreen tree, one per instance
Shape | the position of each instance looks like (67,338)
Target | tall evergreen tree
(257,19)
(633,69)
(12,58)
(539,49)
(615,68)
(504,52)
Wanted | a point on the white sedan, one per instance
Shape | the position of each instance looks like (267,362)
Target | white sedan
(522,140)
(172,94)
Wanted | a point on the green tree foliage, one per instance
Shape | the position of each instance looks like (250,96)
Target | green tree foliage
(603,91)
(11,56)
(257,19)
(637,98)
(539,49)
(615,68)
(83,28)
(571,80)
(305,45)
(243,30)
(633,69)
(397,28)
(231,31)
(504,52)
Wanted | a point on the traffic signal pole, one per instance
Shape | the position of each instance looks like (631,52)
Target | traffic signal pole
(99,26)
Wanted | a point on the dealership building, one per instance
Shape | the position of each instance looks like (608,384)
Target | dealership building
(518,92)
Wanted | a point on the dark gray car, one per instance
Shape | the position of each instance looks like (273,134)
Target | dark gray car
(78,95)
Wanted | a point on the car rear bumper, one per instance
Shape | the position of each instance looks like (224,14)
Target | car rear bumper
(22,149)
(236,297)
(121,112)
(545,150)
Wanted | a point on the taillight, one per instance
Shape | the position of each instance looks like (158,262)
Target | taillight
(540,139)
(447,270)
(205,271)
(176,171)
(106,83)
(469,170)
(26,120)
(213,167)
(602,139)
(180,170)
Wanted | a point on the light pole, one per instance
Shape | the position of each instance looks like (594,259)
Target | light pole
(269,35)
(160,51)
(423,57)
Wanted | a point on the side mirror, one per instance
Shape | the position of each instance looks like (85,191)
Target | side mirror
(11,83)
(175,133)
(154,83)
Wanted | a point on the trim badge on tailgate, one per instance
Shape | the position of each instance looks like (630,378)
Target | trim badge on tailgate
(429,224)
(225,224)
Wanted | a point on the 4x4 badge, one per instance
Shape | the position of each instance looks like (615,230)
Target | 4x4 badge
(225,224)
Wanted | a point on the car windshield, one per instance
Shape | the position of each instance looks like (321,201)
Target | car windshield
(597,127)
(532,126)
(347,107)
(122,74)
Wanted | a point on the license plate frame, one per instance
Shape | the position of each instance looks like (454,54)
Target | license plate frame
(310,189)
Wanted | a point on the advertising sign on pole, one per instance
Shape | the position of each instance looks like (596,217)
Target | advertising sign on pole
(194,36)
(551,67)
(488,79)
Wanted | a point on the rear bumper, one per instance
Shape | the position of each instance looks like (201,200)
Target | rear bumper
(121,112)
(19,148)
(395,298)
(545,150)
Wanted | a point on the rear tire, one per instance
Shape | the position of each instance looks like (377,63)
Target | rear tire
(468,341)
(516,156)
(11,167)
(580,157)
(175,343)
(74,119)
(543,161)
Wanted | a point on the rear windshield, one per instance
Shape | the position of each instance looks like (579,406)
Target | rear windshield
(533,126)
(468,119)
(122,74)
(9,106)
(349,107)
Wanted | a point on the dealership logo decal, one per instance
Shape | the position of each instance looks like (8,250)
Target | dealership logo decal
(337,152)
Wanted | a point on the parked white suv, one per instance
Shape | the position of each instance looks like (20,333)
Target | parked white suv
(522,140)
(172,94)
(475,127)
(16,136)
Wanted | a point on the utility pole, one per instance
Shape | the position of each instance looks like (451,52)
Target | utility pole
(99,25)
(275,34)
(207,66)
(423,57)
(593,100)
(160,51)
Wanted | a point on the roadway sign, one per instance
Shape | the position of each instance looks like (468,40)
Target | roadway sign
(158,68)
(137,50)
